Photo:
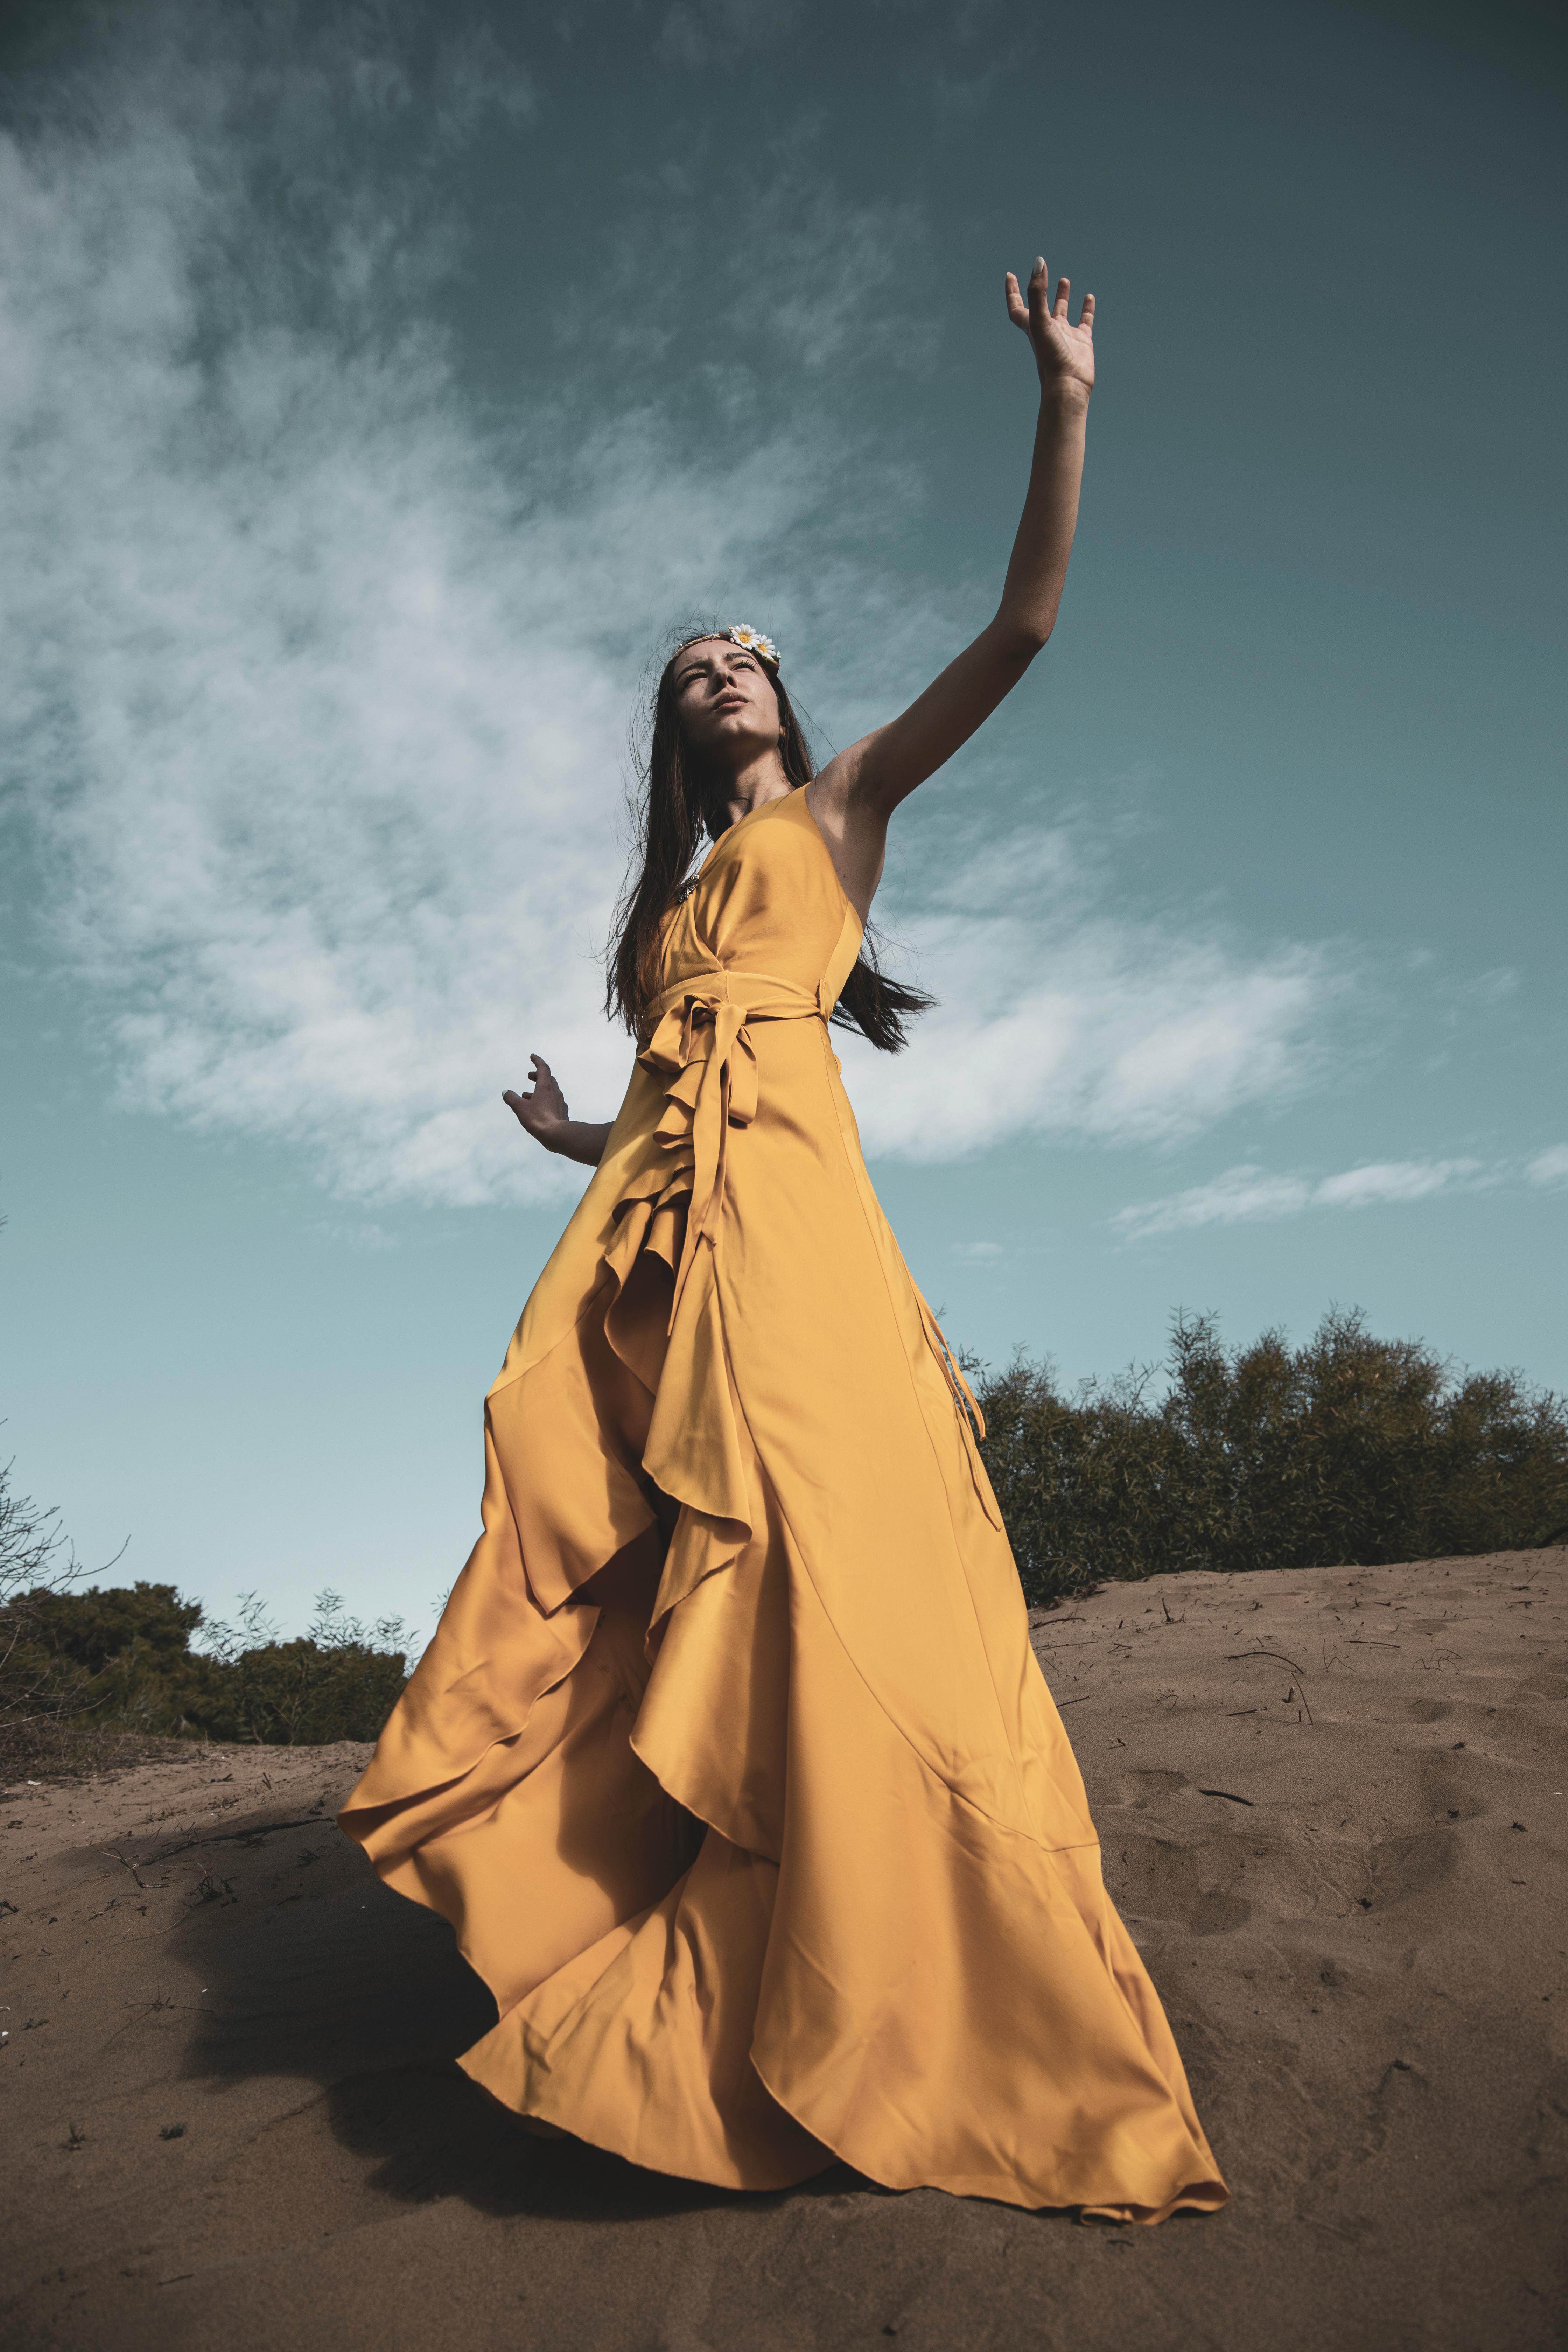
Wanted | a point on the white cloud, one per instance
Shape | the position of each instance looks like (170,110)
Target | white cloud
(1550,1167)
(1241,1195)
(1391,1179)
(317,697)
(1248,1194)
(323,708)
(1486,990)
(1058,1018)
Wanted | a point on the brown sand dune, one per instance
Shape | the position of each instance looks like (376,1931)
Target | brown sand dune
(1333,1812)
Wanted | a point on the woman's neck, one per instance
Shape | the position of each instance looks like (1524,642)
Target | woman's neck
(752,786)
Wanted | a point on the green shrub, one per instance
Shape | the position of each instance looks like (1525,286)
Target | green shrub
(1349,1449)
(80,1665)
(333,1683)
(89,1629)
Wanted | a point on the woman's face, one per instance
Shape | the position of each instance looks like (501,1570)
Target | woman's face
(727,705)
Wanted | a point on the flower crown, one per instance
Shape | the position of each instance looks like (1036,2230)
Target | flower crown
(750,640)
(753,642)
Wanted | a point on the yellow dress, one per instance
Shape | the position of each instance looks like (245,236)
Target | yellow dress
(730,1763)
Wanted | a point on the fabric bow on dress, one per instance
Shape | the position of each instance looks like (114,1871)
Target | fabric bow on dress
(701,1042)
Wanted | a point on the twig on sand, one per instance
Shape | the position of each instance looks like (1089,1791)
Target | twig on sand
(1233,1657)
(1227,1793)
(222,1837)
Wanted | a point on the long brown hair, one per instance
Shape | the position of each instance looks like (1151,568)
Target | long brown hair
(677,803)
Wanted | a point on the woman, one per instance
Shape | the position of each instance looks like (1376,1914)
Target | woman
(731,1763)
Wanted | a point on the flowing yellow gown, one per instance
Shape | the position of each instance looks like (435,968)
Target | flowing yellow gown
(730,1763)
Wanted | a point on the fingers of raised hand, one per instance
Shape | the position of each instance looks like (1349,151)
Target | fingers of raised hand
(544,1104)
(1045,310)
(1038,306)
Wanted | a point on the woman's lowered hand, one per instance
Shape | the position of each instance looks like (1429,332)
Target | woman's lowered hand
(542,1112)
(544,1115)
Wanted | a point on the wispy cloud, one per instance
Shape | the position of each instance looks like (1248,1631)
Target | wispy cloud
(318,701)
(1550,1167)
(1249,1194)
(1061,1016)
(316,689)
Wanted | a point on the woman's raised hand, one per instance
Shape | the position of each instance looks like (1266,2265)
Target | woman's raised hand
(1063,354)
(543,1112)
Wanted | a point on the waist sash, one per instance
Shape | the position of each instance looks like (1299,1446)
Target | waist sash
(702,1043)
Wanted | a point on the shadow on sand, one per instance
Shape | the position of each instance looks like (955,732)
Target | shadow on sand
(313,1969)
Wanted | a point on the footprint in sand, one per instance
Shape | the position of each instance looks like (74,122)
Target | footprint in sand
(1140,1788)
(1427,1710)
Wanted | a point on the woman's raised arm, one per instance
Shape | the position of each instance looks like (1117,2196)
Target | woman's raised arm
(858,789)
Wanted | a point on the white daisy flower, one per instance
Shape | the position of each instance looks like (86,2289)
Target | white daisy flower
(752,641)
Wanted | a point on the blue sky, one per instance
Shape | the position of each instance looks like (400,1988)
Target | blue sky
(377,385)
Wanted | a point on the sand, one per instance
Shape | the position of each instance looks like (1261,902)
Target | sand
(1333,1812)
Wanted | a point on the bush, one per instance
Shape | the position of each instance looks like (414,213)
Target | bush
(304,1693)
(80,1667)
(41,1688)
(1350,1449)
(335,1683)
